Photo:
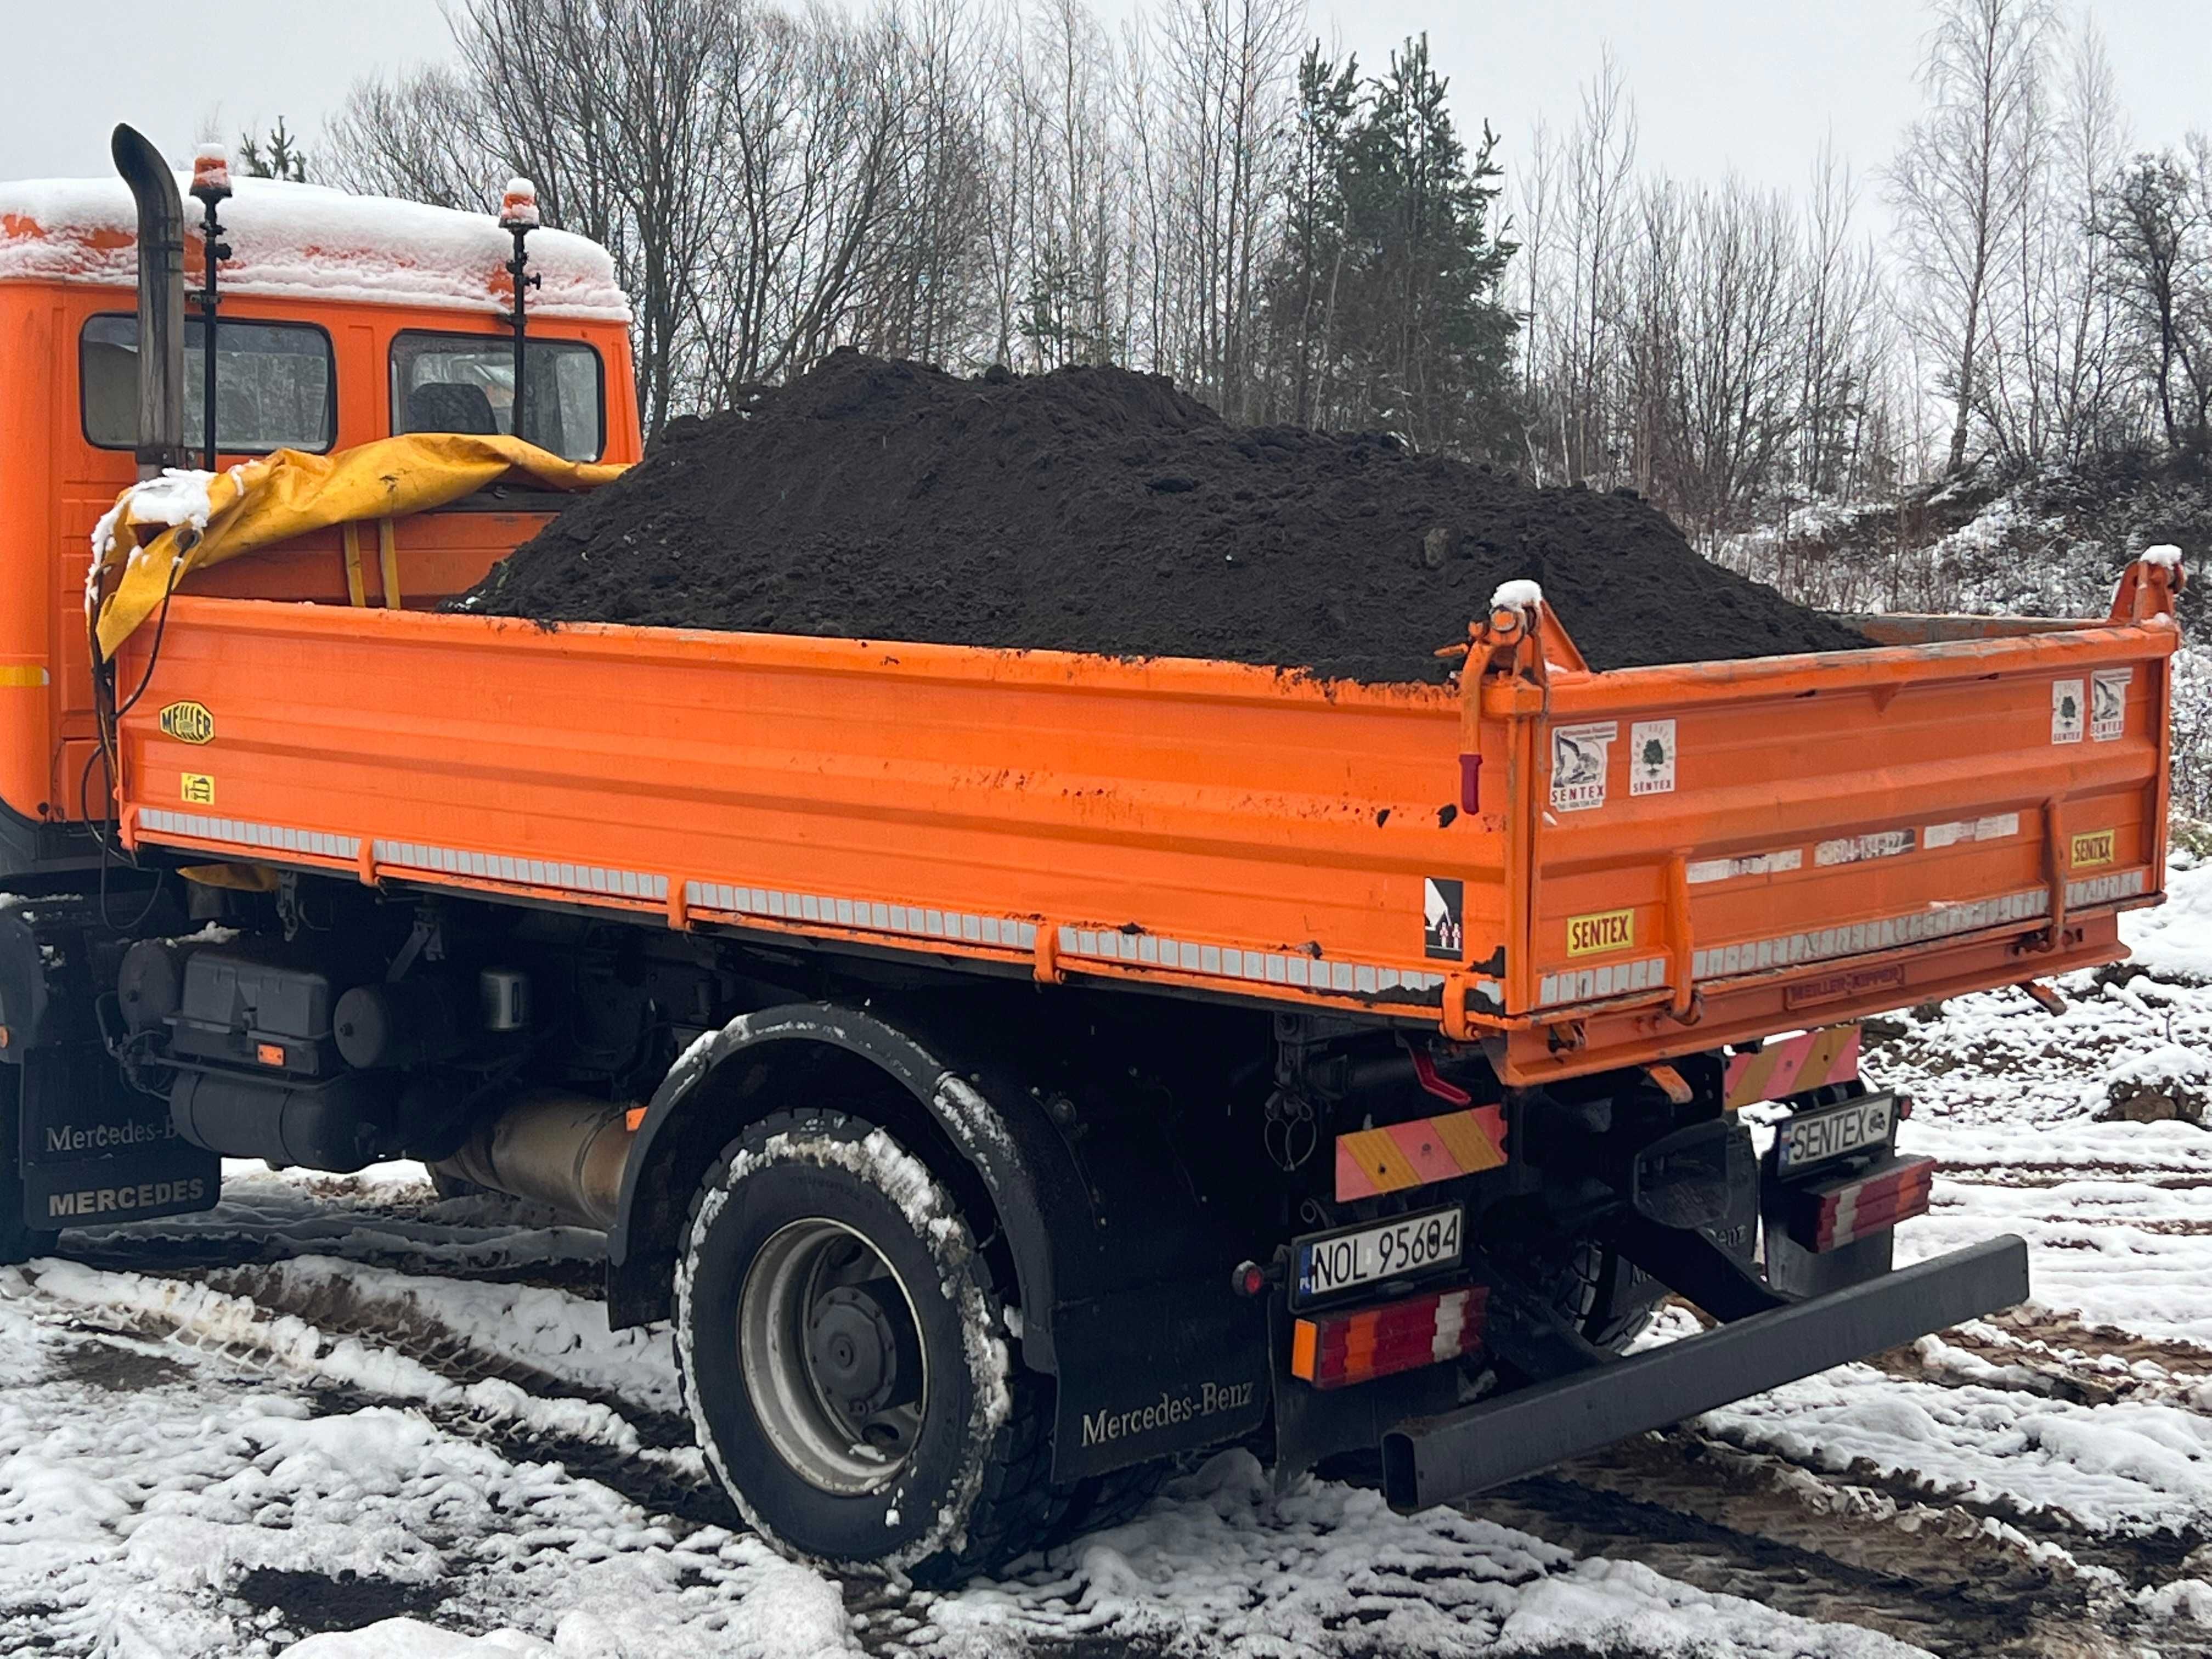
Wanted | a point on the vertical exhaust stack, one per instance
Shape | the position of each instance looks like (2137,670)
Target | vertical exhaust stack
(160,301)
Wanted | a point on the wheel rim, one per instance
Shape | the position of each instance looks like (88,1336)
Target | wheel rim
(831,1354)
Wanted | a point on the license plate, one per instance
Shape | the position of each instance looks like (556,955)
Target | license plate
(1330,1262)
(1811,1137)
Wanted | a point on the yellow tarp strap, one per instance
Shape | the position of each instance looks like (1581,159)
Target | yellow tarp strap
(162,531)
(356,595)
(387,564)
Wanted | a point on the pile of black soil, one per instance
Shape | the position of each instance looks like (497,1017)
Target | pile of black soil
(1094,509)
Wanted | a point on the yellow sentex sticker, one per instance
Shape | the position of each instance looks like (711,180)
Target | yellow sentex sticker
(198,789)
(2093,850)
(1603,930)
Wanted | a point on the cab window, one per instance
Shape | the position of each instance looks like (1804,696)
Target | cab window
(466,383)
(275,385)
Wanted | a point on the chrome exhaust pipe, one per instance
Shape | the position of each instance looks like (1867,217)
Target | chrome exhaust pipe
(160,301)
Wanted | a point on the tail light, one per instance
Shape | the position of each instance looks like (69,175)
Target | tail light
(1839,1212)
(1331,1351)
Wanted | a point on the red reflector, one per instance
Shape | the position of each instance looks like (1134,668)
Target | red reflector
(1838,1212)
(1470,783)
(1333,1350)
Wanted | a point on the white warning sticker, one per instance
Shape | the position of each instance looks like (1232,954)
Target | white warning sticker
(2066,714)
(1581,756)
(2108,702)
(1857,849)
(1995,827)
(1651,757)
(1751,864)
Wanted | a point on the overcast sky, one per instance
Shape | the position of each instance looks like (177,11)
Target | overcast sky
(1749,84)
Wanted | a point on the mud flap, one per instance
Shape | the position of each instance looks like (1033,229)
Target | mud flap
(81,1146)
(1438,1460)
(1163,1369)
(94,1151)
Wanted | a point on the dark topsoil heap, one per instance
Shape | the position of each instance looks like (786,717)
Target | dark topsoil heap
(1099,510)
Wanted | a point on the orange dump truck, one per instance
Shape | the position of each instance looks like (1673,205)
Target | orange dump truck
(1008,1070)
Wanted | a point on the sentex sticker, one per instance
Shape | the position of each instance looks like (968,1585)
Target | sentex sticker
(1651,757)
(1442,933)
(188,722)
(2066,711)
(2093,850)
(198,789)
(1751,864)
(1857,849)
(1605,930)
(2108,702)
(1580,757)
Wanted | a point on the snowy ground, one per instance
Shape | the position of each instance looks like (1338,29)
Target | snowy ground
(346,1421)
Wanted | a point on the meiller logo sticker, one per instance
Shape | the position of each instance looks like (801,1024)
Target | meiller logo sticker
(1605,930)
(189,722)
(1580,757)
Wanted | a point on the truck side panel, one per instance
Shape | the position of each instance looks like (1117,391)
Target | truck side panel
(1205,825)
(1906,819)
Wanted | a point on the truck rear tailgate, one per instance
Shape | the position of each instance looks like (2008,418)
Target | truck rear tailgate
(1724,850)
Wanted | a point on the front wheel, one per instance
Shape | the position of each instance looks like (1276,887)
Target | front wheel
(843,1354)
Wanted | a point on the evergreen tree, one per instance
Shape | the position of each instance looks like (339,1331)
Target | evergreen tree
(1384,301)
(1434,340)
(280,156)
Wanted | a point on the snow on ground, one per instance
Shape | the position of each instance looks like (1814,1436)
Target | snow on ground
(169,1496)
(363,1423)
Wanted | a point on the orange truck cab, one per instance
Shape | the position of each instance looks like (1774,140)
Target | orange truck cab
(343,321)
(1008,1070)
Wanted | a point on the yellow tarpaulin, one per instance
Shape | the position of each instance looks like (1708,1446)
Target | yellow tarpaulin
(161,531)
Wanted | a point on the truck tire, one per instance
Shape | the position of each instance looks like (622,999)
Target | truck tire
(1605,1296)
(842,1351)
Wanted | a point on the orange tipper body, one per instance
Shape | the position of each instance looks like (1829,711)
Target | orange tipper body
(1586,870)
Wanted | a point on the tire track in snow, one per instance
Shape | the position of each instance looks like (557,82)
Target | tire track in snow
(475,1398)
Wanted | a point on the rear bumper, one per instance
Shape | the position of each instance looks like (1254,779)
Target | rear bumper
(1437,1460)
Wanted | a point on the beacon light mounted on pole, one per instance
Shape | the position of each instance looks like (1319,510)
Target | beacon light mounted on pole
(210,184)
(519,217)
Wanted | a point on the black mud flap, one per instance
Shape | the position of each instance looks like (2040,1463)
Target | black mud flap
(1438,1460)
(78,1147)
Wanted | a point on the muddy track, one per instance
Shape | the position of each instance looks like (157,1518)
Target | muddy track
(181,1254)
(1709,1516)
(653,1483)
(340,1308)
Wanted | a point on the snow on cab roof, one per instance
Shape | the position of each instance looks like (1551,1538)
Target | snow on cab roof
(306,241)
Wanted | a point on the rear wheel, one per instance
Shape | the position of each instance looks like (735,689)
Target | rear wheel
(843,1352)
(1605,1296)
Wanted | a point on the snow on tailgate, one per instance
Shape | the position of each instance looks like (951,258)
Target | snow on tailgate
(308,241)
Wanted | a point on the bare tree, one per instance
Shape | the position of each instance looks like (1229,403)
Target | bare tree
(427,136)
(1597,200)
(2160,227)
(1226,70)
(1961,183)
